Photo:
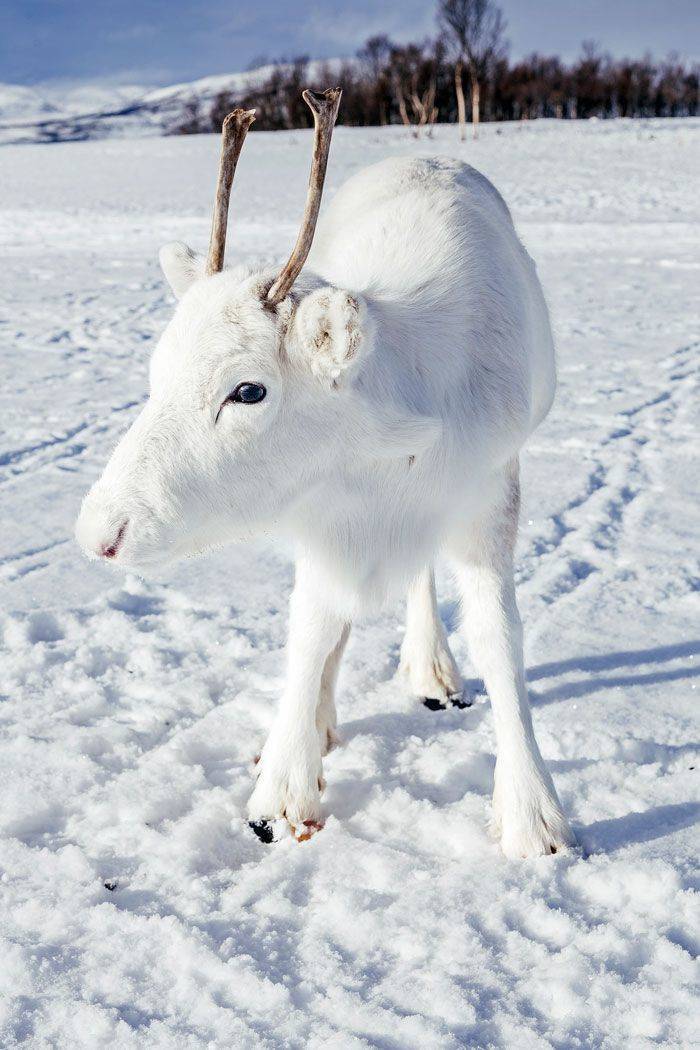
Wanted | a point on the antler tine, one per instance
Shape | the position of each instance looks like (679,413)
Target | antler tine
(325,110)
(233,132)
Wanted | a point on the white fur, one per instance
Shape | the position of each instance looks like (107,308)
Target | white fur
(411,362)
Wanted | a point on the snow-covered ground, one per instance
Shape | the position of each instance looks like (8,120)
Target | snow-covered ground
(131,710)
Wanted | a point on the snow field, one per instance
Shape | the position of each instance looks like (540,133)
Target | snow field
(131,710)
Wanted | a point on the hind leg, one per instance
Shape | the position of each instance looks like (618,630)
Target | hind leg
(426,659)
(527,815)
(326,717)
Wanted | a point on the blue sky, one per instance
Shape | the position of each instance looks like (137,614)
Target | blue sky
(163,41)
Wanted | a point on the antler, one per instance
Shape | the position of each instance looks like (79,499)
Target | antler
(325,110)
(233,133)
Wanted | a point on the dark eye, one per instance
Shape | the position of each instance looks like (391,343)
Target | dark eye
(248,393)
(244,394)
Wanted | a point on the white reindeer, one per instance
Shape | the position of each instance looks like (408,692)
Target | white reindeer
(371,409)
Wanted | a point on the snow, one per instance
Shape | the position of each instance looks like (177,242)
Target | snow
(131,711)
(22,107)
(61,112)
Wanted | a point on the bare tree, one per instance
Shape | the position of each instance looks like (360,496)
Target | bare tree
(191,120)
(414,82)
(474,29)
(411,83)
(374,60)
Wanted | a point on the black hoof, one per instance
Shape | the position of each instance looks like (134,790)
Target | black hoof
(433,704)
(461,700)
(263,829)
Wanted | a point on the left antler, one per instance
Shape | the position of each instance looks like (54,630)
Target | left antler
(233,133)
(325,110)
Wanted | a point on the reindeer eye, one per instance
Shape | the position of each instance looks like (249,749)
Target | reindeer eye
(244,394)
(248,393)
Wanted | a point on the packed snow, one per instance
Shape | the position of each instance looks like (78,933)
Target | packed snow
(137,907)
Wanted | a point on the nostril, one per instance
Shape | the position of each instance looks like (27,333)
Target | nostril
(112,549)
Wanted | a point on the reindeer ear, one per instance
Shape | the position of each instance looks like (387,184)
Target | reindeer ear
(181,266)
(330,330)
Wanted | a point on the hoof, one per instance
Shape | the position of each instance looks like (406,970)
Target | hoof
(269,831)
(263,829)
(433,704)
(459,700)
(303,832)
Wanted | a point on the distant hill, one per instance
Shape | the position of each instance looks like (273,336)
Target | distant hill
(92,111)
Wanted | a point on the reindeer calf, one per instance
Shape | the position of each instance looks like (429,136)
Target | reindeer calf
(371,409)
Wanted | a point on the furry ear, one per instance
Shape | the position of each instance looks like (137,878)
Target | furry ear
(181,266)
(330,330)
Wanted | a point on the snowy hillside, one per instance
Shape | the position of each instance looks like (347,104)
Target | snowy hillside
(136,907)
(53,114)
(29,115)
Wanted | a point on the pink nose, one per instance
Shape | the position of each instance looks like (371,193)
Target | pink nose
(110,550)
(102,527)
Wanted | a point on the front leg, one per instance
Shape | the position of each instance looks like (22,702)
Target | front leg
(527,815)
(290,776)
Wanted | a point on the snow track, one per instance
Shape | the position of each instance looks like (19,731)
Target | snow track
(587,533)
(137,909)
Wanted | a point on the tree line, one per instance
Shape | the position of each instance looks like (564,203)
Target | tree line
(421,83)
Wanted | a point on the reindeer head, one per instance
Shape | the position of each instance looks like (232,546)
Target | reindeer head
(251,393)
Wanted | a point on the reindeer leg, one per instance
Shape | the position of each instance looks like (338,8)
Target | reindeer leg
(289,773)
(527,815)
(426,659)
(326,718)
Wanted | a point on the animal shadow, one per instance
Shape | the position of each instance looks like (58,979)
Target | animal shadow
(607,662)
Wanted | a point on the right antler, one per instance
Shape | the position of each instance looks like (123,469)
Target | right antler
(233,133)
(325,110)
